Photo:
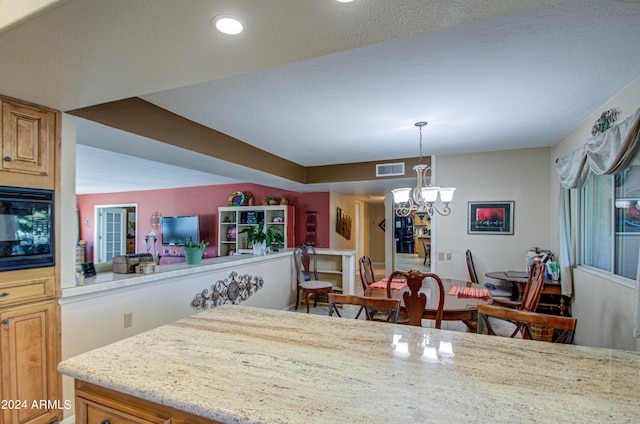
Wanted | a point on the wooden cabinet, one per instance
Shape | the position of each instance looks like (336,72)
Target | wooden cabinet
(28,135)
(29,314)
(96,409)
(38,287)
(99,405)
(28,363)
(232,220)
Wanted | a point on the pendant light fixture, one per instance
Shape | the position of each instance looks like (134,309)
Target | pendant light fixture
(422,197)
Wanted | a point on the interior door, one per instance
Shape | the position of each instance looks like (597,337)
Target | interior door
(113,233)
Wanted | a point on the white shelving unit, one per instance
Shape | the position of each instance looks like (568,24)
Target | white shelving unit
(233,219)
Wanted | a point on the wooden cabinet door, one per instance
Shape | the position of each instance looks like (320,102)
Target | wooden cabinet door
(28,143)
(28,364)
(113,412)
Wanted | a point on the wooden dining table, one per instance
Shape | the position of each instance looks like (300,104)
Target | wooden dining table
(551,287)
(456,308)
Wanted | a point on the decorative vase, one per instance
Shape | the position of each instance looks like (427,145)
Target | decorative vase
(259,249)
(193,255)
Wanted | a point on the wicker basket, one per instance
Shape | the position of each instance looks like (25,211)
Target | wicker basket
(323,297)
(541,332)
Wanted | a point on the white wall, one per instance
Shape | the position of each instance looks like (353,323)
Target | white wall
(95,320)
(67,225)
(603,305)
(518,175)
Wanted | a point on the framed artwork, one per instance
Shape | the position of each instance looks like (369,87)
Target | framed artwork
(343,224)
(490,218)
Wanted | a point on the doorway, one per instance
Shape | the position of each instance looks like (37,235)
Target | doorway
(408,243)
(115,231)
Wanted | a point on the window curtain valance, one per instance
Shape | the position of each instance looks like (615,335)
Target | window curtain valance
(609,152)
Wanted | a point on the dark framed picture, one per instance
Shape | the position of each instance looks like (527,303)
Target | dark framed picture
(490,218)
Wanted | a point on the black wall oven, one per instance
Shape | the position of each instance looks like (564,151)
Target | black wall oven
(26,228)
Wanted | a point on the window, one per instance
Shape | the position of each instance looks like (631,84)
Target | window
(611,221)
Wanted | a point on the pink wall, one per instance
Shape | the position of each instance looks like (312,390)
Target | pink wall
(203,201)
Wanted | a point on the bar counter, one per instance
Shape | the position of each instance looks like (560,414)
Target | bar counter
(237,364)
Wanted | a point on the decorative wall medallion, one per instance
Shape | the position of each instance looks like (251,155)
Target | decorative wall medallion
(605,121)
(235,289)
(155,219)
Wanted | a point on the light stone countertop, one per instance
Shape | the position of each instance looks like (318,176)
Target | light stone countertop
(240,364)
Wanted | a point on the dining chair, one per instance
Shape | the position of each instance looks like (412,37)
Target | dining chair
(496,291)
(414,300)
(528,325)
(366,272)
(370,305)
(306,263)
(426,246)
(531,293)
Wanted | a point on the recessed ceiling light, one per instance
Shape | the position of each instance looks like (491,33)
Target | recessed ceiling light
(345,1)
(227,24)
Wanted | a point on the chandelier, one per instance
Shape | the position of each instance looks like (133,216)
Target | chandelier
(422,197)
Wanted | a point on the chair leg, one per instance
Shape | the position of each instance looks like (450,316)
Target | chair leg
(307,299)
(297,298)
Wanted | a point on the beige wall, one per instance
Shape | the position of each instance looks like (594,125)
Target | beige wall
(602,304)
(376,235)
(348,205)
(521,176)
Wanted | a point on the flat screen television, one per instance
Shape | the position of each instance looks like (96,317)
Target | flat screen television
(175,228)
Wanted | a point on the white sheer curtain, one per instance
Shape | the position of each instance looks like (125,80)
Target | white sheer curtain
(607,153)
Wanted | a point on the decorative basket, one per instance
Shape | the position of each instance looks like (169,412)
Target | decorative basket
(541,332)
(323,297)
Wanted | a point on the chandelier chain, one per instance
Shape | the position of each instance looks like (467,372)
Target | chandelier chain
(420,160)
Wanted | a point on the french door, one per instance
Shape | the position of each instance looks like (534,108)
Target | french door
(112,235)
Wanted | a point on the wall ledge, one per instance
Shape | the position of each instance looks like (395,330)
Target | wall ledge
(616,279)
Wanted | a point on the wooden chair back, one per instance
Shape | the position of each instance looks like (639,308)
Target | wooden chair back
(306,263)
(473,277)
(370,305)
(426,246)
(414,301)
(533,289)
(527,323)
(366,272)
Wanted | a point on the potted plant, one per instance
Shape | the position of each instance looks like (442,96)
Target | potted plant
(277,242)
(260,238)
(273,200)
(192,251)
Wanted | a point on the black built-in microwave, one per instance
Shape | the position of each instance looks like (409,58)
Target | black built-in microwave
(26,228)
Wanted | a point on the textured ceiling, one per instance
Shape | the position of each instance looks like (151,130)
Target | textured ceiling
(318,82)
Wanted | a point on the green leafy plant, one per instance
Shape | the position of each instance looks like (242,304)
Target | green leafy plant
(190,243)
(258,234)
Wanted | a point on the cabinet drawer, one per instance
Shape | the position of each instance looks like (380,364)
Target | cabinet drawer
(94,413)
(23,291)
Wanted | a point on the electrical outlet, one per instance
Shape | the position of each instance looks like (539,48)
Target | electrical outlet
(128,319)
(441,256)
(448,256)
